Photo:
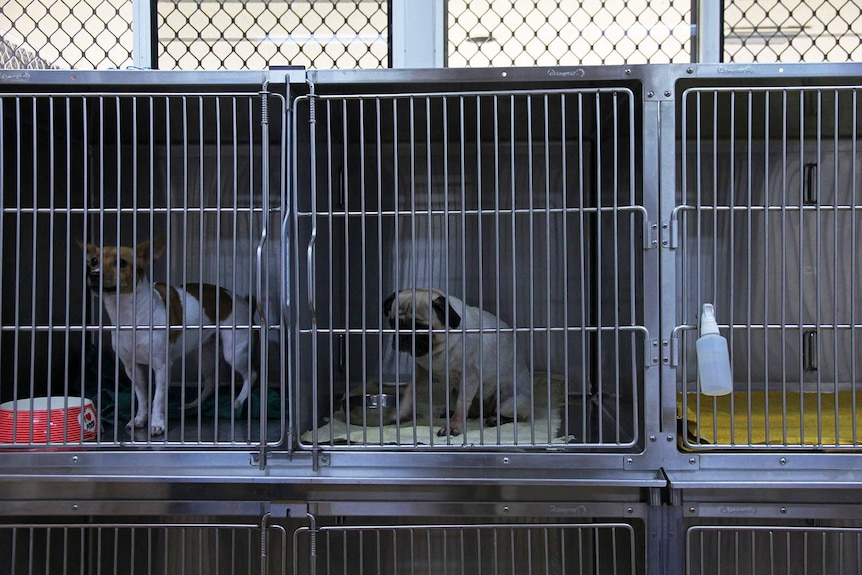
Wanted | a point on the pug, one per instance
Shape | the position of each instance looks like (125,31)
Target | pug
(438,330)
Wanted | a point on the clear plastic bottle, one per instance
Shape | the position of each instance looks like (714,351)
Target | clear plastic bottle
(713,360)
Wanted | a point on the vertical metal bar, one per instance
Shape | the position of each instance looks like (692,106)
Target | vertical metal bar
(363,217)
(617,268)
(497,248)
(564,202)
(378,110)
(783,259)
(598,282)
(767,205)
(532,265)
(480,392)
(345,206)
(586,386)
(514,244)
(548,268)
(34,260)
(853,271)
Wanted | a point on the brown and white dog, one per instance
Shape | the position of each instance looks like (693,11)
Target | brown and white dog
(464,346)
(118,275)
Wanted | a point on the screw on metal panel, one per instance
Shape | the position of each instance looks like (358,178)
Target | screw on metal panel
(74,507)
(652,438)
(324,459)
(669,438)
(692,460)
(629,510)
(650,94)
(74,459)
(506,509)
(783,461)
(505,461)
(783,510)
(689,70)
(667,93)
(629,460)
(691,509)
(628,71)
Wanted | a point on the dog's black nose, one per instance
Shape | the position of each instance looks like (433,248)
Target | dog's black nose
(93,277)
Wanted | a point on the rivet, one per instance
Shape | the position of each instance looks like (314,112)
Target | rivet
(629,460)
(505,461)
(690,70)
(783,461)
(74,507)
(650,94)
(669,438)
(691,509)
(692,460)
(667,93)
(628,71)
(783,510)
(652,438)
(506,509)
(629,510)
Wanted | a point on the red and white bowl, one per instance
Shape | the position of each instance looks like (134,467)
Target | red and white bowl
(48,420)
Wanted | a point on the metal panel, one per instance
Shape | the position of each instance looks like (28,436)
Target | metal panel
(773,549)
(539,548)
(176,548)
(524,204)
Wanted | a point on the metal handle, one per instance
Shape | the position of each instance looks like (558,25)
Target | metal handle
(809,350)
(810,198)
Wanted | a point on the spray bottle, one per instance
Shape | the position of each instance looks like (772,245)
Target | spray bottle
(713,360)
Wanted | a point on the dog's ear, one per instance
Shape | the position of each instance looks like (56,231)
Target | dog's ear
(387,304)
(440,305)
(144,249)
(92,251)
(160,244)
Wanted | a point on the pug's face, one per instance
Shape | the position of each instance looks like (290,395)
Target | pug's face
(416,312)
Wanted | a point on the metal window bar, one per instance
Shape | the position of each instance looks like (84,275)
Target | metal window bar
(180,548)
(767,231)
(114,169)
(538,548)
(772,549)
(522,204)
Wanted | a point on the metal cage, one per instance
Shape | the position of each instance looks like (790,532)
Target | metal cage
(767,231)
(522,203)
(198,172)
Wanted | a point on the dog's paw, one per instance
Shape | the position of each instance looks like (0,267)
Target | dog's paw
(451,431)
(137,423)
(157,430)
(237,404)
(491,421)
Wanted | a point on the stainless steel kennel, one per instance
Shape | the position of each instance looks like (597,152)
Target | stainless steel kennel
(592,211)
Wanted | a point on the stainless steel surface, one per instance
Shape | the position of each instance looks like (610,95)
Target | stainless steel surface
(133,547)
(540,548)
(743,549)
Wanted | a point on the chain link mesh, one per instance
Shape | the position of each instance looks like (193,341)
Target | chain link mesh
(561,32)
(244,34)
(796,31)
(78,34)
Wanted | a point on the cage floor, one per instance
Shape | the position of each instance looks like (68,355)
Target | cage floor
(772,418)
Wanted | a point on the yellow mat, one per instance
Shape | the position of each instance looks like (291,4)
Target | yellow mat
(773,418)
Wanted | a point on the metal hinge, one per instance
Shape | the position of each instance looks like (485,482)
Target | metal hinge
(651,353)
(650,235)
